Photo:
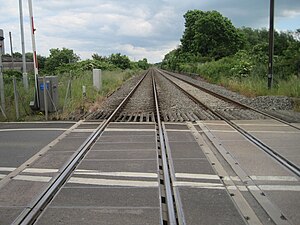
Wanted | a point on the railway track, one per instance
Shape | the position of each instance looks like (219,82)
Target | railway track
(145,105)
(231,101)
(31,214)
(225,117)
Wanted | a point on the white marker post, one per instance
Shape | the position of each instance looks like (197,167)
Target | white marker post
(84,91)
(97,79)
(36,72)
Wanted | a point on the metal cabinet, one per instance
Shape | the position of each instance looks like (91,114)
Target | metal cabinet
(52,93)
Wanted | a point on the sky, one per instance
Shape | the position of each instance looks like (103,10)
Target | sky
(137,28)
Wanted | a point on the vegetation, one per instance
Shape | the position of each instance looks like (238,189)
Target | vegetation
(76,102)
(236,57)
(209,34)
(72,74)
(71,99)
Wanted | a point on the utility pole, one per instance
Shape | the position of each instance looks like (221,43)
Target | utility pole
(36,72)
(271,45)
(1,74)
(25,76)
(11,51)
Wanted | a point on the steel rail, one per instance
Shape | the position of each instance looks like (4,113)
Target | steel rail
(281,159)
(31,213)
(231,100)
(167,180)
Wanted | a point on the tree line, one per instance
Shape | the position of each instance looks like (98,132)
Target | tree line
(65,60)
(212,44)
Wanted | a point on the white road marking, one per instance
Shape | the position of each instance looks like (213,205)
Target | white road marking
(116,174)
(198,185)
(42,122)
(263,125)
(8,169)
(253,188)
(231,188)
(197,176)
(32,178)
(224,131)
(218,124)
(128,129)
(274,178)
(34,129)
(275,132)
(91,123)
(241,124)
(241,188)
(83,130)
(133,183)
(174,130)
(2,176)
(233,178)
(130,123)
(107,182)
(280,187)
(40,170)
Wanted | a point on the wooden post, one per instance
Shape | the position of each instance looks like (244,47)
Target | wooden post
(271,45)
(16,97)
(45,98)
(2,96)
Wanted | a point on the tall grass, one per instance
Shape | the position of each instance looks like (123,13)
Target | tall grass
(111,80)
(75,100)
(257,86)
(24,98)
(228,72)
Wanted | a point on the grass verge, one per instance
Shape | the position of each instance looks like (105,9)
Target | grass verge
(71,98)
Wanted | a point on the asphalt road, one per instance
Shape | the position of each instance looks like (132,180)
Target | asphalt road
(20,141)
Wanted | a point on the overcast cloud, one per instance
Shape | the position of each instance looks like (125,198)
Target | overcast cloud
(138,28)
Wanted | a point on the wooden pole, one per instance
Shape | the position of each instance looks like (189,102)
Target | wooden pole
(16,98)
(11,52)
(271,45)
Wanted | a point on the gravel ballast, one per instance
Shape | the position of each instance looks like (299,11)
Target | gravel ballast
(279,106)
(173,101)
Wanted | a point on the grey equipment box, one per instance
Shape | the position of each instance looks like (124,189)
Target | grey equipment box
(52,93)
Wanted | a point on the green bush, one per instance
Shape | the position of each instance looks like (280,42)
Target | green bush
(9,74)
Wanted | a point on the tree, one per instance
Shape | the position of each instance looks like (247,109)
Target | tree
(143,64)
(41,61)
(188,40)
(290,61)
(29,56)
(100,58)
(59,57)
(170,60)
(210,34)
(121,61)
(17,55)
